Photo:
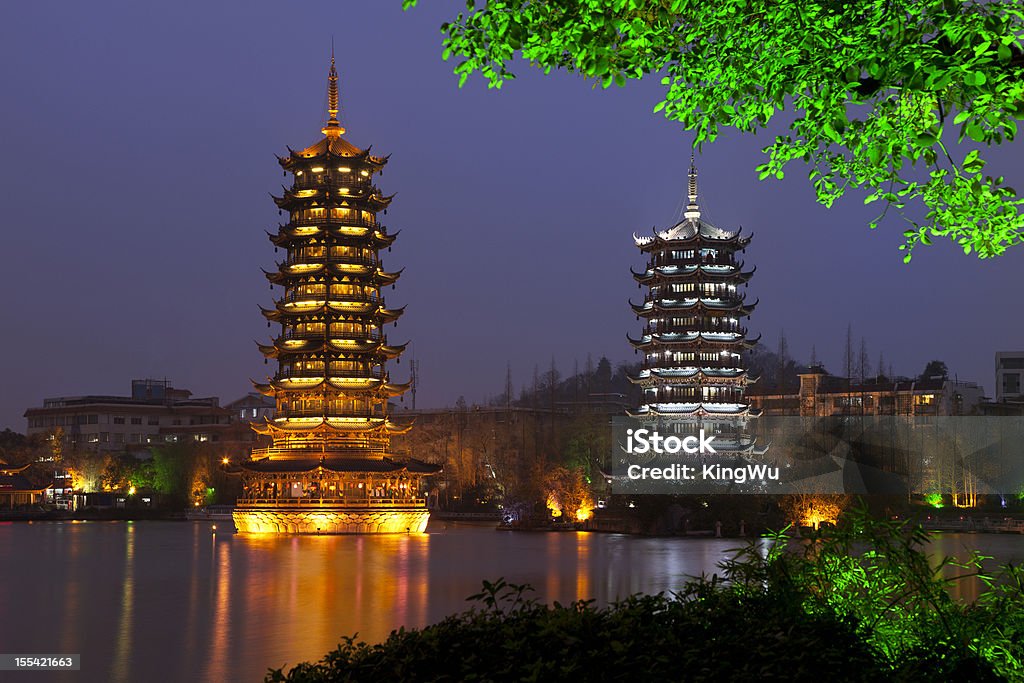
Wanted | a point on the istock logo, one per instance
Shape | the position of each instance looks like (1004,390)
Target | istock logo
(643,441)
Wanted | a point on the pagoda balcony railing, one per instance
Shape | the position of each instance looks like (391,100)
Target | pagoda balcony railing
(367,447)
(326,502)
(695,261)
(734,297)
(376,335)
(334,298)
(339,374)
(337,220)
(671,364)
(294,259)
(730,397)
(694,329)
(330,412)
(720,293)
(333,181)
(357,374)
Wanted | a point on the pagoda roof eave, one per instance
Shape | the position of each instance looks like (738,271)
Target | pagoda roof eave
(335,147)
(319,425)
(396,389)
(692,231)
(264,388)
(697,410)
(740,307)
(659,275)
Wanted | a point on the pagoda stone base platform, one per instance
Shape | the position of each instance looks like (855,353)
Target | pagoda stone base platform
(327,520)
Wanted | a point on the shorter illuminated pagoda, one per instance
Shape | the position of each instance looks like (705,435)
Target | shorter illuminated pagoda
(693,375)
(330,469)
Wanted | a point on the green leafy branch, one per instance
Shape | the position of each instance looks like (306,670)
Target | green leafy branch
(878,89)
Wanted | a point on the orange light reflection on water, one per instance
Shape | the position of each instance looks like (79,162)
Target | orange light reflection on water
(320,588)
(121,669)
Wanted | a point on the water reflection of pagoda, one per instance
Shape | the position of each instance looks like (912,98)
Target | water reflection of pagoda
(693,374)
(329,469)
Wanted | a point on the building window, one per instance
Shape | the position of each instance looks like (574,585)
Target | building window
(1011,383)
(119,420)
(153,421)
(136,420)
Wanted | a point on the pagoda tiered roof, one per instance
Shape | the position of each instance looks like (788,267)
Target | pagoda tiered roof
(699,341)
(722,410)
(345,231)
(370,275)
(363,310)
(333,347)
(691,376)
(666,305)
(692,343)
(692,231)
(331,385)
(329,147)
(693,273)
(382,386)
(313,426)
(370,198)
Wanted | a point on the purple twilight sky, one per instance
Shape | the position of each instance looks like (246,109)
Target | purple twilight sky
(139,144)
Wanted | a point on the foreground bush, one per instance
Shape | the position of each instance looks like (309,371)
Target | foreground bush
(857,603)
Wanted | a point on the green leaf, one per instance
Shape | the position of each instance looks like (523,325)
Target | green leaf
(974,78)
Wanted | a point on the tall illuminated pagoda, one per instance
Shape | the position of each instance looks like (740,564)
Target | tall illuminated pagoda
(329,469)
(693,373)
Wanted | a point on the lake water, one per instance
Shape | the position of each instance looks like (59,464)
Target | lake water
(167,601)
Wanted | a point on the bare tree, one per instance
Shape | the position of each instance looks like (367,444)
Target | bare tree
(782,357)
(863,362)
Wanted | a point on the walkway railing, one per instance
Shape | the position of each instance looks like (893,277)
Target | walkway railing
(332,502)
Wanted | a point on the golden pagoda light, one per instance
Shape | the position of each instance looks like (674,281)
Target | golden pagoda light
(329,468)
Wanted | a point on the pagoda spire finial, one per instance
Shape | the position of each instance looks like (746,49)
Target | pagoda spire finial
(333,129)
(692,210)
